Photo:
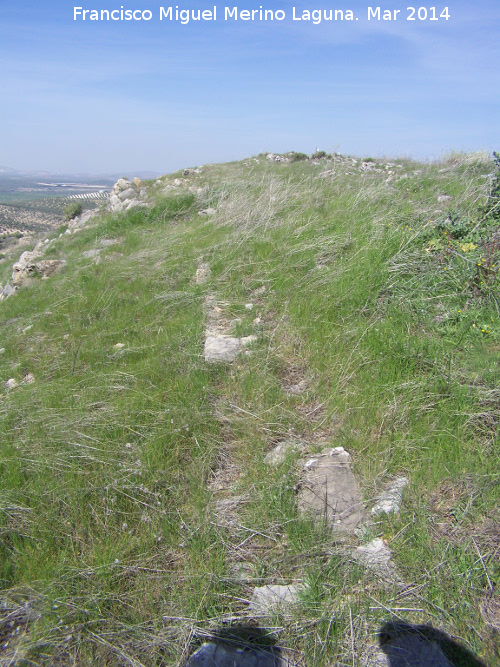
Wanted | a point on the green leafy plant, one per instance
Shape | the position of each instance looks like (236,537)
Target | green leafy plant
(298,157)
(72,210)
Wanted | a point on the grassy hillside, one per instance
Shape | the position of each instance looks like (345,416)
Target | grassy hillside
(137,512)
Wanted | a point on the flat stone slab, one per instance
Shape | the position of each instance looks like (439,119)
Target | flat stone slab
(376,556)
(222,654)
(221,348)
(225,348)
(267,600)
(389,501)
(329,491)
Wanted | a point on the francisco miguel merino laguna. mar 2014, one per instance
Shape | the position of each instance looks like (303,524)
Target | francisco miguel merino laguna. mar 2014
(225,13)
(234,14)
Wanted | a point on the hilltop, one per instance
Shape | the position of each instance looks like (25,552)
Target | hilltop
(258,395)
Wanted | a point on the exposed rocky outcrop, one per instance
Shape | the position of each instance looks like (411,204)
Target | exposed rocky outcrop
(82,220)
(277,158)
(27,267)
(126,194)
(30,265)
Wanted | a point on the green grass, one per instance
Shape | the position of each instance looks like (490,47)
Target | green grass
(111,525)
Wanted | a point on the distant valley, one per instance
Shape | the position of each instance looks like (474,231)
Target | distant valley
(33,202)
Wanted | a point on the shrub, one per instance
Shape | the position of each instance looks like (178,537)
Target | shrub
(72,210)
(297,157)
(320,154)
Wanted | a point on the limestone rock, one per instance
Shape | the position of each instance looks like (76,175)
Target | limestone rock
(207,211)
(267,600)
(21,273)
(7,290)
(114,202)
(225,348)
(328,490)
(390,500)
(281,451)
(81,220)
(129,193)
(202,273)
(105,243)
(376,556)
(46,267)
(29,255)
(121,184)
(24,269)
(123,194)
(298,389)
(93,252)
(221,348)
(11,384)
(133,203)
(277,158)
(29,378)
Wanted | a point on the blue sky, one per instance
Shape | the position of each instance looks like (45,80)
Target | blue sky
(125,96)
